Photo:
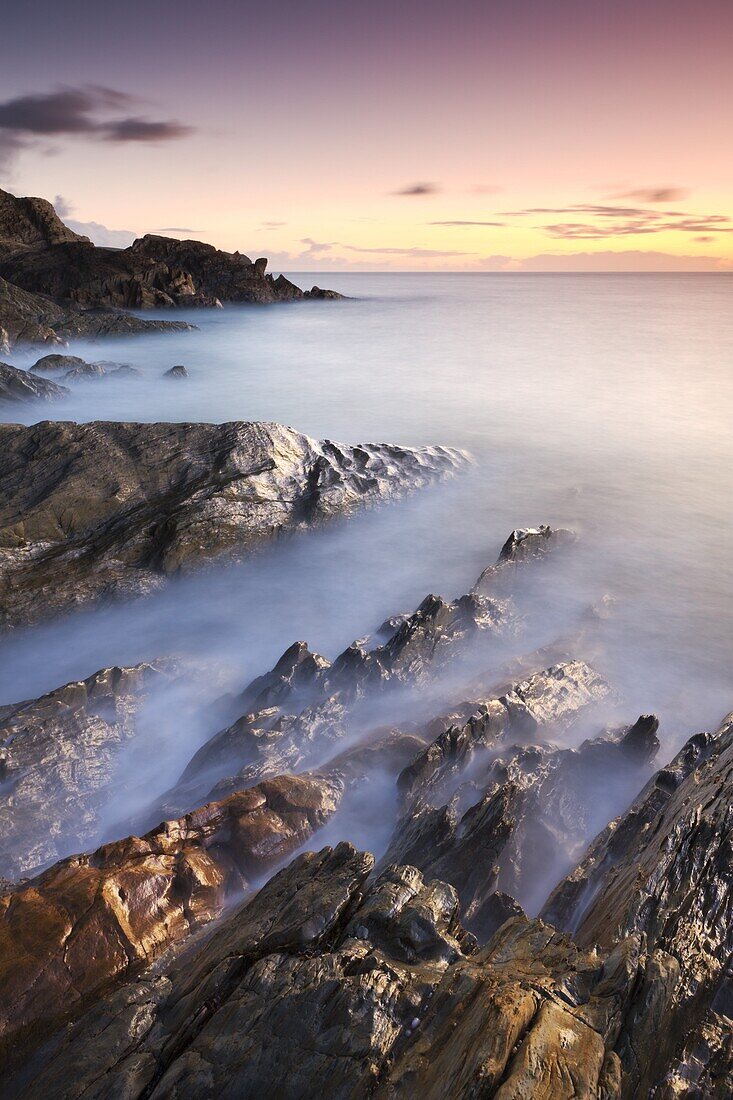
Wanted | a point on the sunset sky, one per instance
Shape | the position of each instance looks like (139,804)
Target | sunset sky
(514,135)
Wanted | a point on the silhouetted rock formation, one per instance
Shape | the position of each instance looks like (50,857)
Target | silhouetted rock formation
(40,256)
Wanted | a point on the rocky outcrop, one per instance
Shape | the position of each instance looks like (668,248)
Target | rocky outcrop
(90,510)
(521,815)
(57,364)
(41,256)
(60,757)
(31,223)
(327,983)
(21,386)
(29,318)
(664,871)
(67,933)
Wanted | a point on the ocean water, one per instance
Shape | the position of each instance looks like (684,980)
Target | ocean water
(599,402)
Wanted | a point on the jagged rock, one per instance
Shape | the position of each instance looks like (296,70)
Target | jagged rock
(521,817)
(664,870)
(306,704)
(524,545)
(179,371)
(20,386)
(59,757)
(67,933)
(324,984)
(105,508)
(50,364)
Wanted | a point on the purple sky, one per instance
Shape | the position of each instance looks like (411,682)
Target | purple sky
(525,135)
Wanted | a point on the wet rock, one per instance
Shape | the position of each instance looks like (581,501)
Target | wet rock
(100,509)
(179,371)
(20,386)
(663,870)
(60,756)
(67,933)
(518,819)
(324,982)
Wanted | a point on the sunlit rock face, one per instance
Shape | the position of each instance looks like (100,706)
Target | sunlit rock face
(100,509)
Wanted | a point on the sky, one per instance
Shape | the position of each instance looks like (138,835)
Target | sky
(518,135)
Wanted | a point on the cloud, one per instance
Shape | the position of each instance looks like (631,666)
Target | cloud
(703,240)
(622,221)
(417,189)
(83,112)
(425,253)
(466,223)
(62,206)
(272,225)
(625,260)
(179,229)
(102,236)
(654,194)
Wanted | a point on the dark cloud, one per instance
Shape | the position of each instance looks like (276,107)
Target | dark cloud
(82,111)
(467,223)
(66,111)
(417,189)
(142,129)
(654,194)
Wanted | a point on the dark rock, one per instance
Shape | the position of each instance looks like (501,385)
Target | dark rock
(20,386)
(27,318)
(40,255)
(664,870)
(179,371)
(86,370)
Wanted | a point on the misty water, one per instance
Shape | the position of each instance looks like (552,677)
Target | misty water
(600,403)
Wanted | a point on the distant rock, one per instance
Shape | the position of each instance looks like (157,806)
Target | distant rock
(39,254)
(20,386)
(179,371)
(85,370)
(27,318)
(48,364)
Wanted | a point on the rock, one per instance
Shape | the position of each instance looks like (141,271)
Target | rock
(20,386)
(316,292)
(40,255)
(28,318)
(663,870)
(99,509)
(86,370)
(179,371)
(31,223)
(305,706)
(327,983)
(49,364)
(67,933)
(519,819)
(60,757)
